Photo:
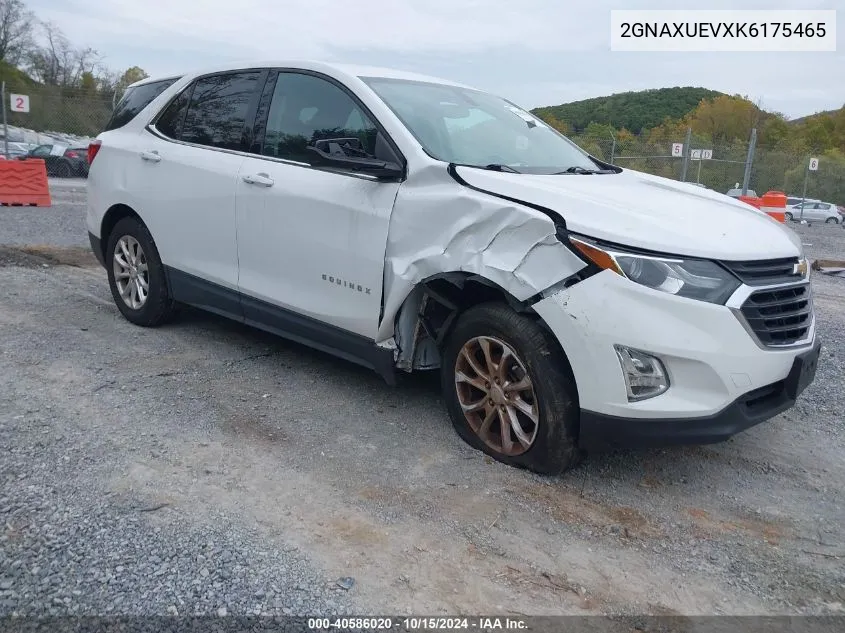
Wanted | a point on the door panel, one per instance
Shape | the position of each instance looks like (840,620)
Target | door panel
(187,191)
(312,240)
(187,200)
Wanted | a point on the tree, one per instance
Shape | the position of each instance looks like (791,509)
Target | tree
(15,31)
(828,183)
(58,63)
(132,75)
(774,132)
(725,119)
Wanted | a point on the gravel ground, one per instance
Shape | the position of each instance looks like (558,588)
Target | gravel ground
(822,241)
(62,224)
(205,466)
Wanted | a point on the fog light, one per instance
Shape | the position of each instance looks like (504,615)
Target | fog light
(645,376)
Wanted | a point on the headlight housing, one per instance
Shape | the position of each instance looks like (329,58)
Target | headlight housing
(692,278)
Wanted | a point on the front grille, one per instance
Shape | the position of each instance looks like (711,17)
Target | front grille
(780,317)
(765,272)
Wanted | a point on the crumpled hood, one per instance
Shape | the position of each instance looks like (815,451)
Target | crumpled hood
(649,212)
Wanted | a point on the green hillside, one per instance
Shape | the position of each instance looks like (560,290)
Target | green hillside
(15,79)
(633,111)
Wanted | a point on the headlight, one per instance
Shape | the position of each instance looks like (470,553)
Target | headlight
(692,278)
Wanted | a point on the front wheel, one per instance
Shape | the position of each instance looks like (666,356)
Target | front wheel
(788,216)
(508,391)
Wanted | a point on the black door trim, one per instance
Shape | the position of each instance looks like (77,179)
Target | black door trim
(206,295)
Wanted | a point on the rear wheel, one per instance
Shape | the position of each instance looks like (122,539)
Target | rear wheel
(136,275)
(831,221)
(508,391)
(62,170)
(788,216)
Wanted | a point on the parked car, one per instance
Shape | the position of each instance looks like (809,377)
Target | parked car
(792,201)
(736,193)
(62,161)
(16,149)
(408,223)
(815,211)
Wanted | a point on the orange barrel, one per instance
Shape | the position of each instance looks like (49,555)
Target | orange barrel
(754,202)
(774,204)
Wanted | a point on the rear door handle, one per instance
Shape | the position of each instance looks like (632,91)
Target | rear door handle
(261,180)
(151,156)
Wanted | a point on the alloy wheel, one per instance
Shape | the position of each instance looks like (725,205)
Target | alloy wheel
(131,273)
(497,395)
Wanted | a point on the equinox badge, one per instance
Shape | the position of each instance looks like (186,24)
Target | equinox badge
(346,284)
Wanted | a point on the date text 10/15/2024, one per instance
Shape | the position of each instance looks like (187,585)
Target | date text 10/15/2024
(417,624)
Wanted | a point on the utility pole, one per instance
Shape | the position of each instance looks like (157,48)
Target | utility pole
(686,154)
(613,146)
(5,127)
(749,161)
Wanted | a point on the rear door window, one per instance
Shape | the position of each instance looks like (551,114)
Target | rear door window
(218,110)
(134,100)
(171,120)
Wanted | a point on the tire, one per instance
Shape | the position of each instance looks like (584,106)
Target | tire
(831,221)
(63,170)
(158,306)
(553,394)
(787,216)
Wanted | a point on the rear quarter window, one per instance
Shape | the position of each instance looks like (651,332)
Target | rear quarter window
(134,100)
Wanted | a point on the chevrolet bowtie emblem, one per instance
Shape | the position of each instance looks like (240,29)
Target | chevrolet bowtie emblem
(800,268)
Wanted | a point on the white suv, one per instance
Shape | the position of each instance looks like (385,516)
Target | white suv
(410,223)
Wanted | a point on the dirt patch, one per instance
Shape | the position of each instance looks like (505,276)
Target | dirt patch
(769,531)
(37,255)
(545,584)
(256,427)
(568,506)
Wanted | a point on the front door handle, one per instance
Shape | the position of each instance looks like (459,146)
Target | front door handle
(151,156)
(262,180)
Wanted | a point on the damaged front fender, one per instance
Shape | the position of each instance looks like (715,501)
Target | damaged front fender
(439,225)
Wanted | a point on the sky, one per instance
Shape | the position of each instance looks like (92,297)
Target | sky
(534,52)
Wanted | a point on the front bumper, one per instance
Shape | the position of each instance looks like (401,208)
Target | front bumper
(600,432)
(722,380)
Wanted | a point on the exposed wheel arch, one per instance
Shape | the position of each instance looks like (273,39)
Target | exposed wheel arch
(114,215)
(430,310)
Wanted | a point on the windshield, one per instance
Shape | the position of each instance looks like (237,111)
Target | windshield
(469,127)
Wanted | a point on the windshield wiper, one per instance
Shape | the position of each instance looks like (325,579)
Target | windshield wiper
(577,169)
(498,167)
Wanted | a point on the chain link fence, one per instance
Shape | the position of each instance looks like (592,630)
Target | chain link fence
(57,127)
(723,166)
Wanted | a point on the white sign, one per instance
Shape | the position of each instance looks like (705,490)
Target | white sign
(695,154)
(58,150)
(677,149)
(814,164)
(707,154)
(20,103)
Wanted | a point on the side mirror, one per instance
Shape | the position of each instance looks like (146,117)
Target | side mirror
(331,152)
